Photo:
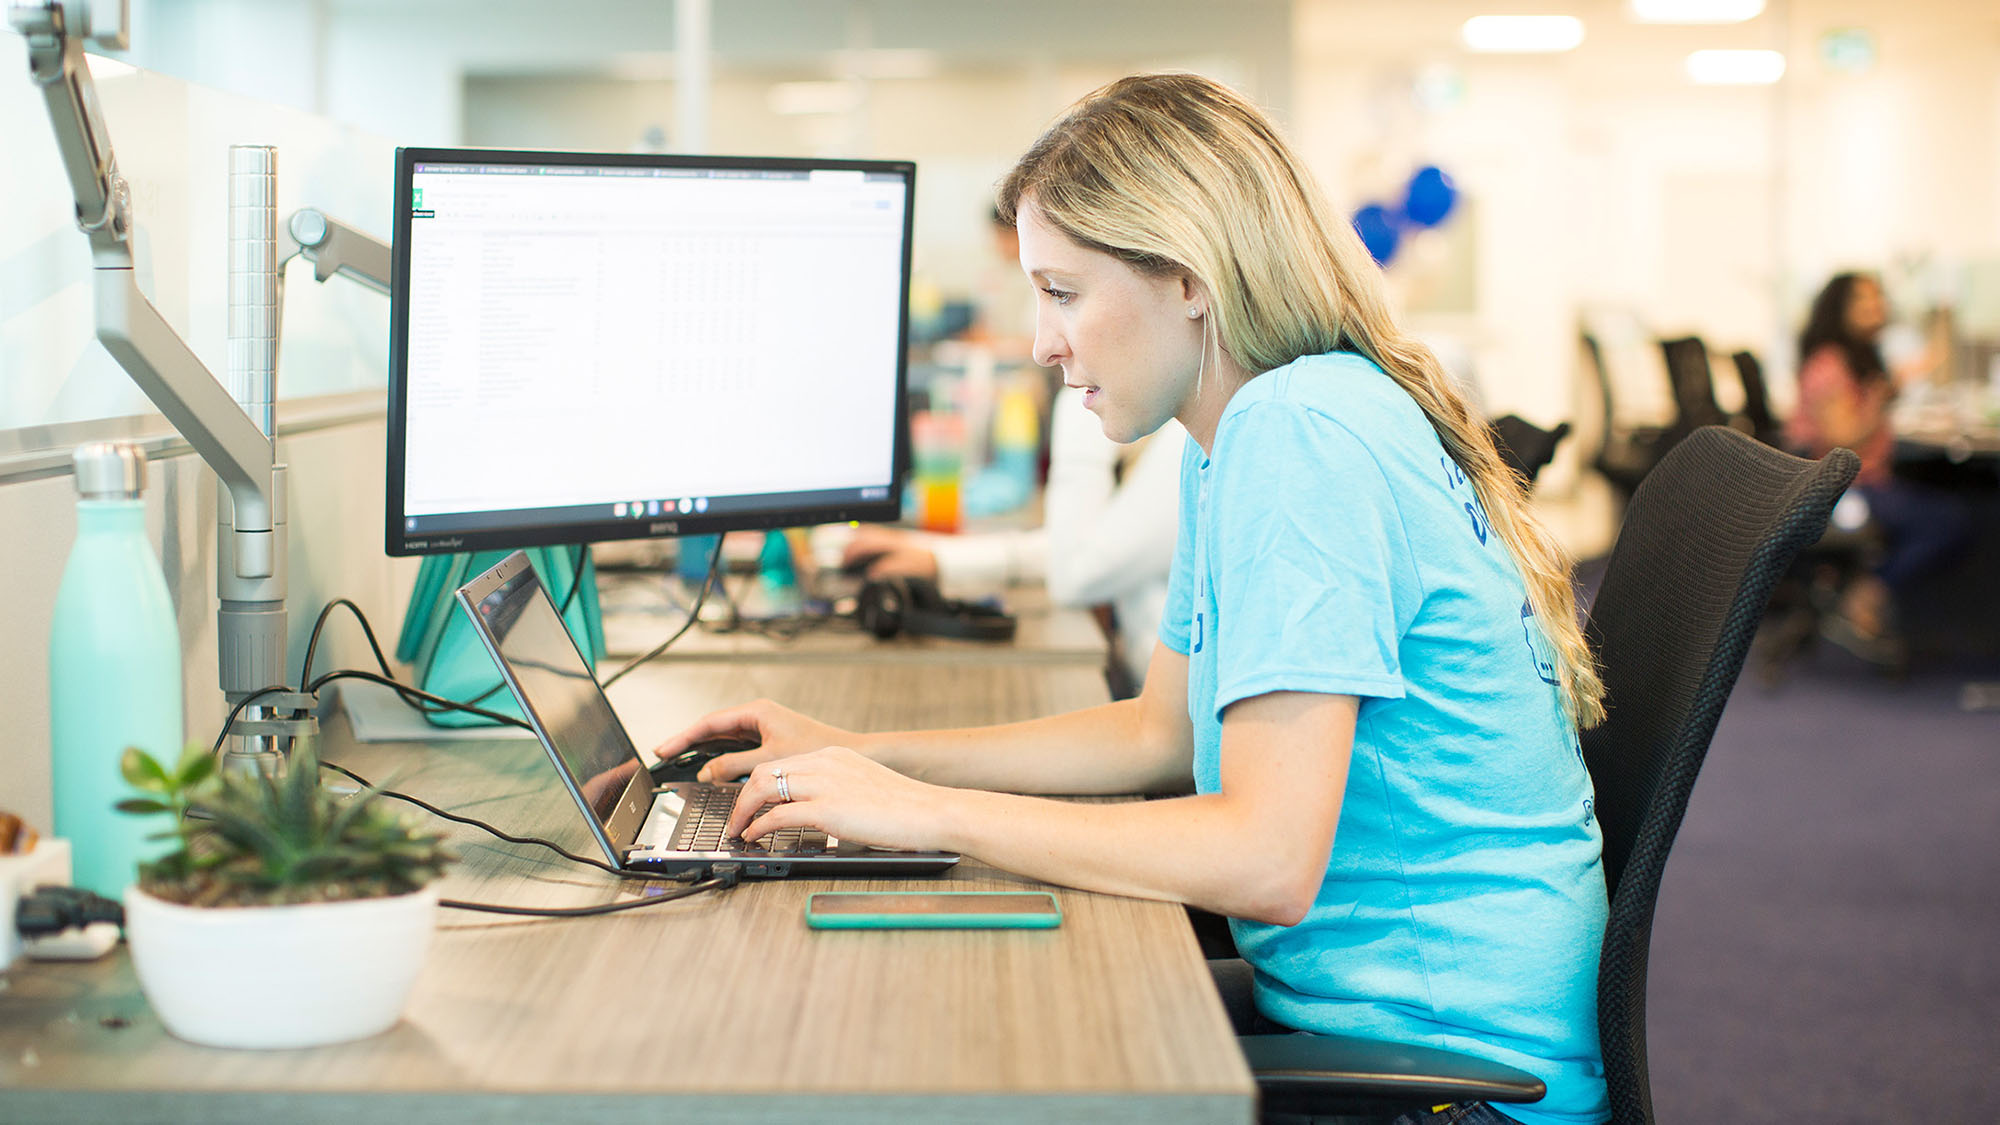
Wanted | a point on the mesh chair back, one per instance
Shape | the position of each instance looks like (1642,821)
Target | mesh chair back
(1707,535)
(1757,399)
(1693,384)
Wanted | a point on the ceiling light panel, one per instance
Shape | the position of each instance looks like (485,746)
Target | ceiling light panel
(1735,68)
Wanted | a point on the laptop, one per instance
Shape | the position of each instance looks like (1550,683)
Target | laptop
(671,830)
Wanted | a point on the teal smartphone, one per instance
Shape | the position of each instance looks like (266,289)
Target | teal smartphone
(933,910)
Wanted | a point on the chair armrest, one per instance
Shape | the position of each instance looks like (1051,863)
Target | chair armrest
(1340,1074)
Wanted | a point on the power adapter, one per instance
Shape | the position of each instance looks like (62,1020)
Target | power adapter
(35,893)
(44,865)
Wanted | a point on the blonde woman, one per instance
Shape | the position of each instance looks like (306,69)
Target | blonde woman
(1369,664)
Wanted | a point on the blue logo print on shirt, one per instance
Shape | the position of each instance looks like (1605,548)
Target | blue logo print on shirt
(1455,476)
(1545,667)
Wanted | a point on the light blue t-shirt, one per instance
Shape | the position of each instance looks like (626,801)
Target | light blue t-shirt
(1331,545)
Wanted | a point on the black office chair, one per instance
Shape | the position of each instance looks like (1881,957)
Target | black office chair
(1692,382)
(1525,447)
(1625,454)
(1706,537)
(1757,415)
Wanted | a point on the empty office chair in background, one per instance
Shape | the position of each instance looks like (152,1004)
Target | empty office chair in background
(1624,455)
(1671,625)
(1524,446)
(1757,416)
(1692,382)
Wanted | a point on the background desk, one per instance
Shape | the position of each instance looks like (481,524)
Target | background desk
(637,616)
(722,1007)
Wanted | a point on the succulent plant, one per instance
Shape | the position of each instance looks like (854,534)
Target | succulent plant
(251,840)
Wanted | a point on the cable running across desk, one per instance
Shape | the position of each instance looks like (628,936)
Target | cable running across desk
(722,881)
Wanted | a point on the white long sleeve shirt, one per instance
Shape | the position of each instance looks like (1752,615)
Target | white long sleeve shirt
(1102,540)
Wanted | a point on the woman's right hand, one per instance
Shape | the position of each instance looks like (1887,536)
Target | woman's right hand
(887,552)
(781,731)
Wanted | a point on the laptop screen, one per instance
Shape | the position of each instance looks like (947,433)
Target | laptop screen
(555,687)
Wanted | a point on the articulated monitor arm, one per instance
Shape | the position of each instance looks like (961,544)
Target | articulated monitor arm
(334,247)
(131,329)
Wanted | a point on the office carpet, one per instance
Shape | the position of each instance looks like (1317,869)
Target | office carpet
(1827,947)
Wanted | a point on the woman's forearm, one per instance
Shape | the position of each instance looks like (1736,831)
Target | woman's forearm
(1183,849)
(1111,748)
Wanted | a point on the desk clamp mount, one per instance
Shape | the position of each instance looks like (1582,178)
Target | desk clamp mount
(231,429)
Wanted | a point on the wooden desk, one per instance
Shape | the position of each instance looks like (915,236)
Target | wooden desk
(722,1007)
(637,618)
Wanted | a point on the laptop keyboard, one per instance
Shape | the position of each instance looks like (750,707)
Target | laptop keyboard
(706,814)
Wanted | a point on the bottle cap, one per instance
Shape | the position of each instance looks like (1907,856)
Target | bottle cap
(110,470)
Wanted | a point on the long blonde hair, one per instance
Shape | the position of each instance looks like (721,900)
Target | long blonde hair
(1176,173)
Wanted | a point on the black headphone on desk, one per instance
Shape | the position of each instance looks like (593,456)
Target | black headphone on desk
(888,606)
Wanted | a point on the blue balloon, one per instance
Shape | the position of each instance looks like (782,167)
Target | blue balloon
(1430,197)
(1378,231)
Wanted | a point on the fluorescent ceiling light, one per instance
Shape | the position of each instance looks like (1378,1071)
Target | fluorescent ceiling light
(1522,33)
(1735,68)
(1696,11)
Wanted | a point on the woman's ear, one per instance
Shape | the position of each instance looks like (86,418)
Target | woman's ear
(1195,295)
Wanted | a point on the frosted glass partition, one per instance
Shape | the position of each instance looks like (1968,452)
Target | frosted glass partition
(171,139)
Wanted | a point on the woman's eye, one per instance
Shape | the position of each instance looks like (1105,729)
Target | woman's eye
(1059,296)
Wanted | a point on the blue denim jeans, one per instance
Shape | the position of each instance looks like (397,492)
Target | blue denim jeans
(1233,982)
(1923,529)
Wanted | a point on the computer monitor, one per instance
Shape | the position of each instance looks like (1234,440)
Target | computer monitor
(592,346)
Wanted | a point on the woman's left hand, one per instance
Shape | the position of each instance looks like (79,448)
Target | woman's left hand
(845,795)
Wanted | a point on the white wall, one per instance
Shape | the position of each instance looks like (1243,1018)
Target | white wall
(1603,180)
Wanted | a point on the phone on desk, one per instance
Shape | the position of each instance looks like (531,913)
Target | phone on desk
(933,910)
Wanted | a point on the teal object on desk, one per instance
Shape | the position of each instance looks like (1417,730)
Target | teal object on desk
(932,910)
(440,643)
(114,671)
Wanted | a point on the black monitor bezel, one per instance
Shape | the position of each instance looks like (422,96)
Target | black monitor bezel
(398,542)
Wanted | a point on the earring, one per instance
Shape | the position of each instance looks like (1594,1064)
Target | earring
(1194,314)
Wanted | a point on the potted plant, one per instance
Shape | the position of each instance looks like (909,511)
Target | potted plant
(288,916)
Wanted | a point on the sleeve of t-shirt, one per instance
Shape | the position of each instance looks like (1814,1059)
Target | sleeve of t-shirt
(1179,610)
(1313,569)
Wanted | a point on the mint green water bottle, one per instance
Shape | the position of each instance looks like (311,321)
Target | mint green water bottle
(114,670)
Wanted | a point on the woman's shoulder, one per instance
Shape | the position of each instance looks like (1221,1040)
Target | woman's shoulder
(1342,391)
(1331,384)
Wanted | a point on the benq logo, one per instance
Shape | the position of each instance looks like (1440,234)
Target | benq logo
(664,527)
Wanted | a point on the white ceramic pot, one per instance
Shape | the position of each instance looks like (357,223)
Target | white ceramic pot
(279,976)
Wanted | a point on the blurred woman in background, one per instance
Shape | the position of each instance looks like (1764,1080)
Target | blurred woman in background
(1845,395)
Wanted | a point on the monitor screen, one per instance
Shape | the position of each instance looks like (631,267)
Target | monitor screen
(605,346)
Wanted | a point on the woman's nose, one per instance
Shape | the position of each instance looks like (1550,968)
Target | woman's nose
(1049,346)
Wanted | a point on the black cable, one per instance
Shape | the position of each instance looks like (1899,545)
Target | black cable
(482,825)
(726,875)
(694,615)
(717,883)
(784,629)
(421,700)
(406,691)
(305,670)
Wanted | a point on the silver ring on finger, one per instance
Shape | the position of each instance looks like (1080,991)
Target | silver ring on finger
(784,786)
